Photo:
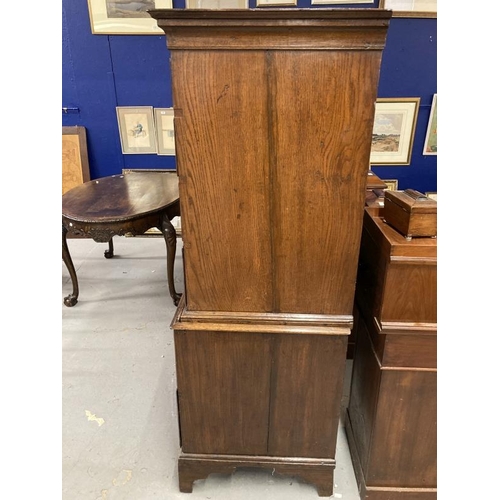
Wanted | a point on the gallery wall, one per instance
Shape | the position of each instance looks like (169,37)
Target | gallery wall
(101,72)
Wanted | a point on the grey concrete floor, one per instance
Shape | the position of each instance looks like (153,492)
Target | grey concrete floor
(119,420)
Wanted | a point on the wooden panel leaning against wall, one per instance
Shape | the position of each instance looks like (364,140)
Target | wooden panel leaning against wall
(75,162)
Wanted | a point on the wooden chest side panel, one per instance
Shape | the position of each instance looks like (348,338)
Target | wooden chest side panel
(404,446)
(410,293)
(363,398)
(371,275)
(223,386)
(417,351)
(322,145)
(306,389)
(221,128)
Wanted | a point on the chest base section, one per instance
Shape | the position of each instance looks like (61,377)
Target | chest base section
(259,391)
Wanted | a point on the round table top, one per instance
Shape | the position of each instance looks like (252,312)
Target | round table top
(120,197)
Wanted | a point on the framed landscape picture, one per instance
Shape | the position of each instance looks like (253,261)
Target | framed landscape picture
(124,17)
(394,130)
(137,129)
(430,144)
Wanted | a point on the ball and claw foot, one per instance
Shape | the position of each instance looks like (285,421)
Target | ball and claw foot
(70,300)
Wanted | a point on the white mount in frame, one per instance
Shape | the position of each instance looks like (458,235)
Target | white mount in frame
(165,135)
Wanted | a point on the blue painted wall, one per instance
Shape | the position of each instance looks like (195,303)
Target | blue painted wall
(101,72)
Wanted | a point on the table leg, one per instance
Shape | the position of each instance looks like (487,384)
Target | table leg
(72,298)
(111,251)
(170,236)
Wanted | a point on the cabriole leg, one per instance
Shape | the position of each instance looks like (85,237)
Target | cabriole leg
(170,236)
(72,298)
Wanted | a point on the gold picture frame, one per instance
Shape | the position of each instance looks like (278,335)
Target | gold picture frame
(392,184)
(216,4)
(430,143)
(328,2)
(75,160)
(122,17)
(272,3)
(410,8)
(165,135)
(394,130)
(137,129)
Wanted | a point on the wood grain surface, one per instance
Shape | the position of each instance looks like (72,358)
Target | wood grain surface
(224,179)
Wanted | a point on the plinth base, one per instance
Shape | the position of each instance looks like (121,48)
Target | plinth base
(318,472)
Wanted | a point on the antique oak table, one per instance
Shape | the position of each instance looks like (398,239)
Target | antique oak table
(119,205)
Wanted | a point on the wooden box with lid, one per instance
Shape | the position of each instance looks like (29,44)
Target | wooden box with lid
(411,213)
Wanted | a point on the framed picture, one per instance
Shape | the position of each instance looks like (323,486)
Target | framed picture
(265,3)
(392,184)
(327,2)
(430,144)
(216,4)
(410,8)
(137,129)
(124,17)
(165,137)
(394,130)
(75,161)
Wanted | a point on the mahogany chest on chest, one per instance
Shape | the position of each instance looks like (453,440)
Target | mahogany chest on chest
(274,114)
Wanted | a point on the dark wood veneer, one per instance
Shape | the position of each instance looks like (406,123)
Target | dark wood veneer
(392,412)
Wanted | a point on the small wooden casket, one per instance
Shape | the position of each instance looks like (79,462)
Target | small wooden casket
(411,213)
